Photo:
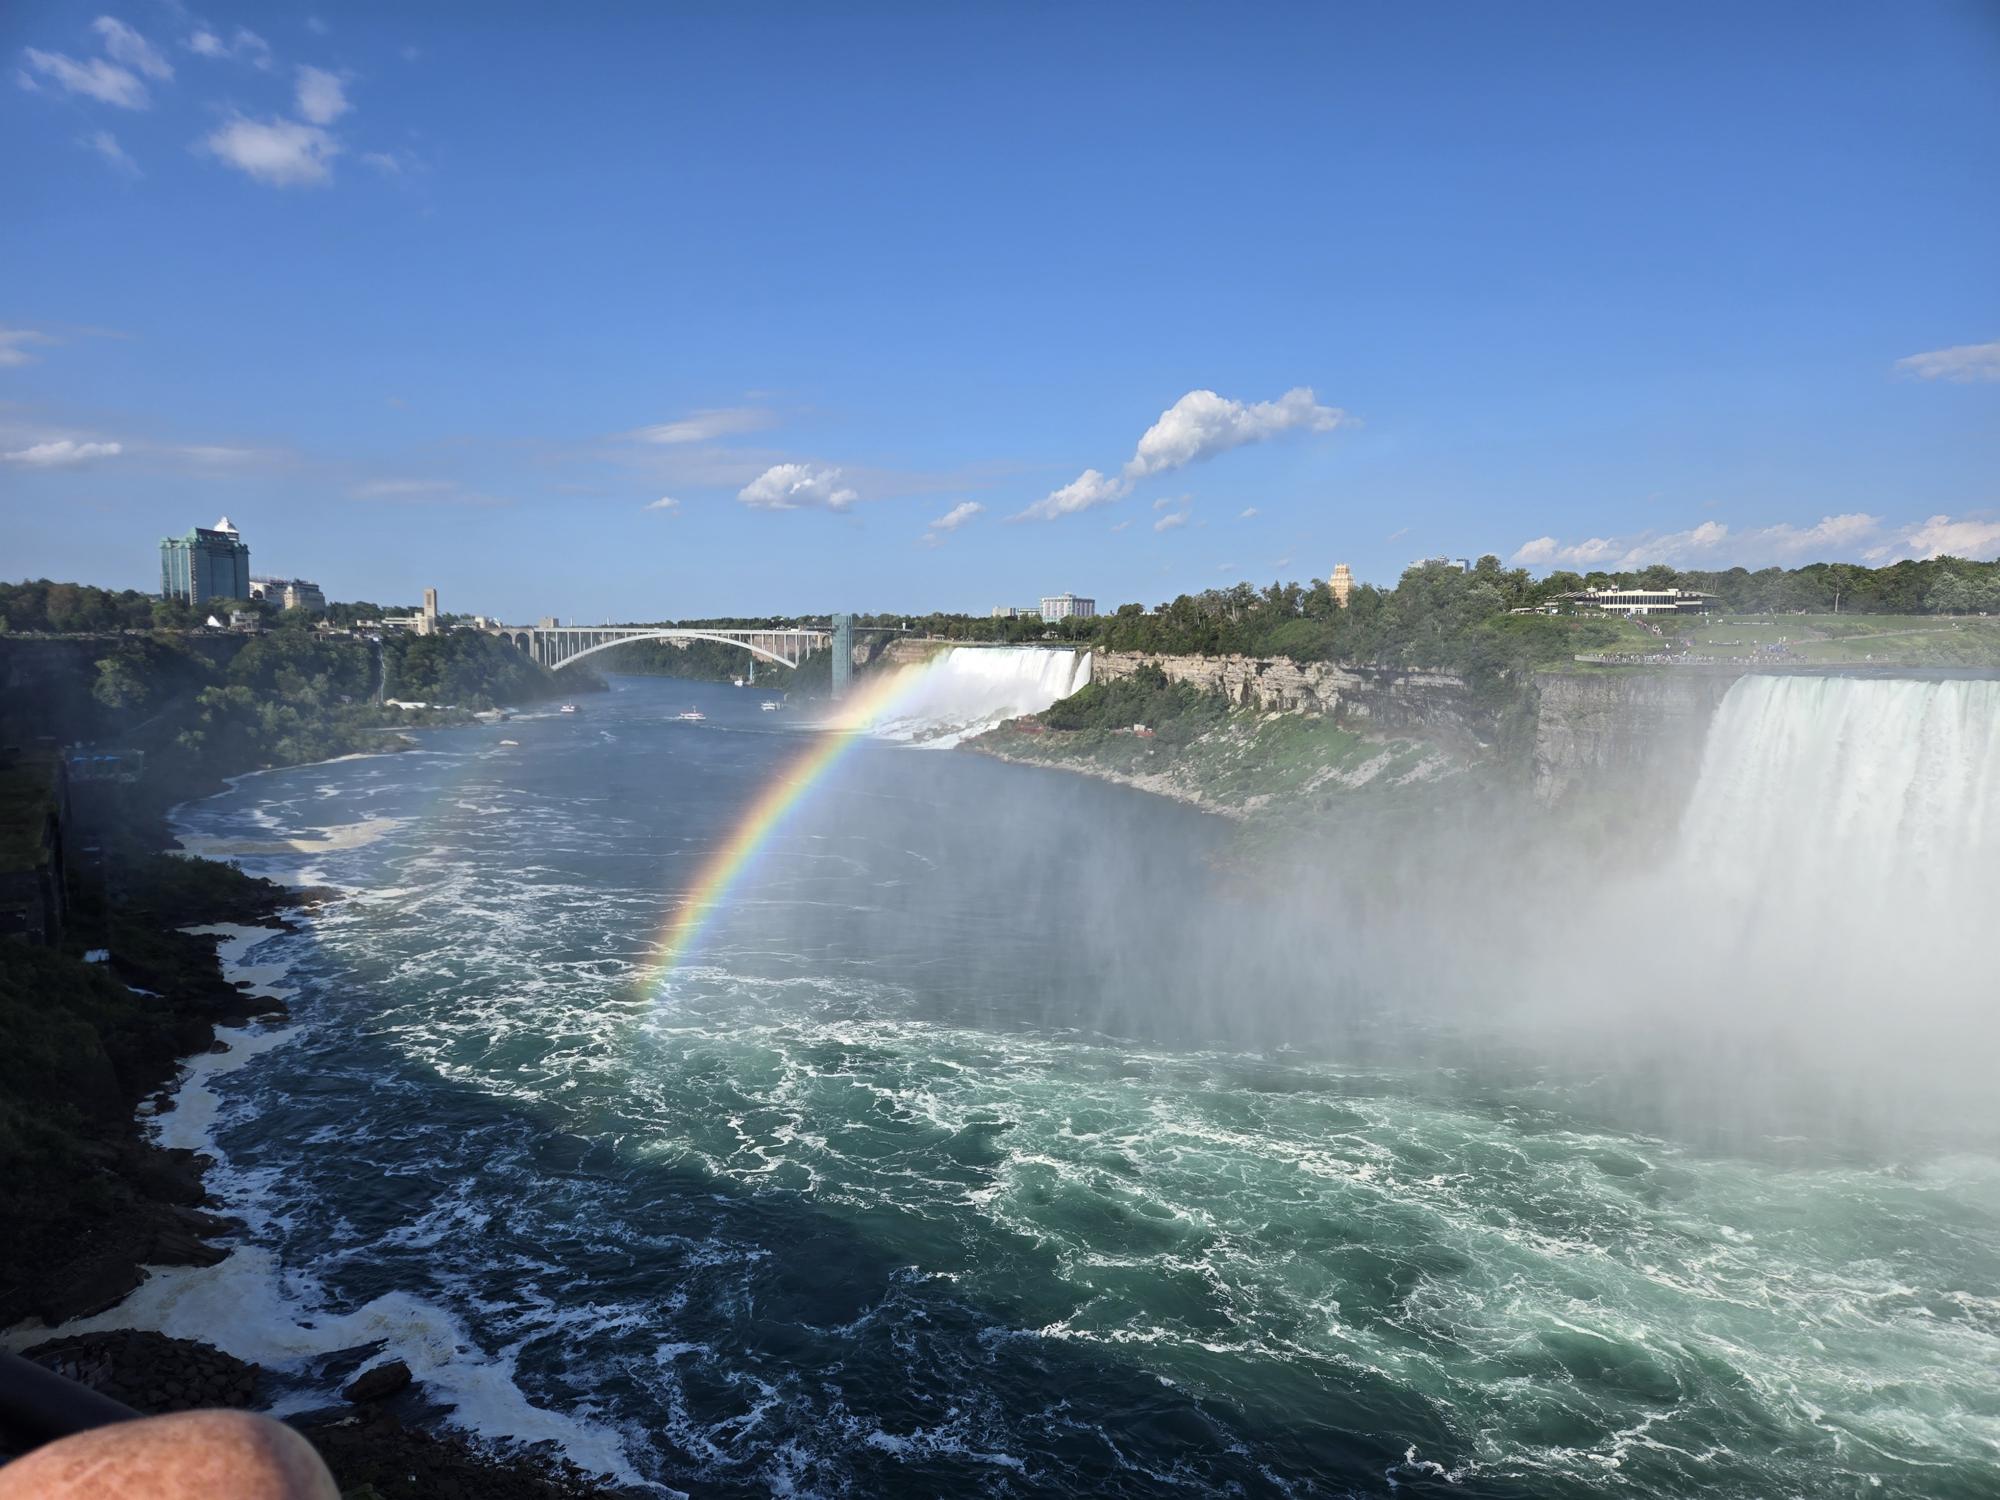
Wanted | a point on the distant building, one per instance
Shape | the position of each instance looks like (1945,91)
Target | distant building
(1015,612)
(1067,607)
(1341,585)
(207,563)
(423,622)
(1464,565)
(1641,601)
(289,593)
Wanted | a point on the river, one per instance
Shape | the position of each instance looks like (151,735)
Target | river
(986,1140)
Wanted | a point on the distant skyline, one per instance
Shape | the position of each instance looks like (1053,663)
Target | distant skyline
(628,312)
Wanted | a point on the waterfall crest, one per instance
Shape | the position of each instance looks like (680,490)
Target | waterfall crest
(1868,794)
(970,689)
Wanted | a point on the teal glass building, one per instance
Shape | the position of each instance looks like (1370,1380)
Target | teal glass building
(208,563)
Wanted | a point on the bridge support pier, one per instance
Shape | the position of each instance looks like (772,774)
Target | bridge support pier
(843,655)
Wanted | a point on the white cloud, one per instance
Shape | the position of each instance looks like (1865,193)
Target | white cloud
(1961,362)
(13,342)
(123,44)
(322,96)
(957,516)
(1173,522)
(245,46)
(105,144)
(1710,542)
(1226,568)
(1202,424)
(1122,524)
(316,26)
(282,153)
(1941,536)
(1535,554)
(95,78)
(62,453)
(1827,532)
(707,425)
(1085,492)
(950,521)
(1199,425)
(797,487)
(665,502)
(1249,513)
(386,162)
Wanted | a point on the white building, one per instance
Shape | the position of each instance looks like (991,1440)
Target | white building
(1067,607)
(1641,601)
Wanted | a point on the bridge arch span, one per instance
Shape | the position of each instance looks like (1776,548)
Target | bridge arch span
(677,635)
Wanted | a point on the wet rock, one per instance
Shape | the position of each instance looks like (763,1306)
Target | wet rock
(378,1383)
(168,1176)
(177,1247)
(87,1287)
(150,1372)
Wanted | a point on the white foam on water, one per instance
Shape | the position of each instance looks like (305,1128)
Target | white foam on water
(327,840)
(248,1306)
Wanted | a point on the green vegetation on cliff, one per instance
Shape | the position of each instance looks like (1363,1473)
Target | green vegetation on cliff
(201,707)
(1176,740)
(1172,713)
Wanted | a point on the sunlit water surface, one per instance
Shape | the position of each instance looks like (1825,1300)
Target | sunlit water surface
(989,1144)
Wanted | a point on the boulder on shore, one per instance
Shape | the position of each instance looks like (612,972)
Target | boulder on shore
(378,1383)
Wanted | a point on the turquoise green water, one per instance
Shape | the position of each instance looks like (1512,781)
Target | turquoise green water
(952,1168)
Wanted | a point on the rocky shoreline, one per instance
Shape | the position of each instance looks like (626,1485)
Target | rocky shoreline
(1000,745)
(136,1204)
(371,1441)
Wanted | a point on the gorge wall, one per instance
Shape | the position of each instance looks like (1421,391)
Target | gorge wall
(1434,705)
(1633,730)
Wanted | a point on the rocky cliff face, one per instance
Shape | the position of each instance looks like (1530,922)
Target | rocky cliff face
(1639,730)
(1434,705)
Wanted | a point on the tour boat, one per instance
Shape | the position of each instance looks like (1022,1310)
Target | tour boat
(693,713)
(771,705)
(568,708)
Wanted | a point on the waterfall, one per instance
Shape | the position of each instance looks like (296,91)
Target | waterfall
(1867,794)
(1829,908)
(1810,953)
(972,688)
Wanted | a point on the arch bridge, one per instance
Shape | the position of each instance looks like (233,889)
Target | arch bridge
(556,647)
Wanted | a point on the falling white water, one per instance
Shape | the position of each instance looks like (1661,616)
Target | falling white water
(1836,883)
(1815,945)
(972,688)
(1858,794)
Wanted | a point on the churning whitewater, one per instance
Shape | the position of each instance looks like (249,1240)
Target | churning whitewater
(994,1147)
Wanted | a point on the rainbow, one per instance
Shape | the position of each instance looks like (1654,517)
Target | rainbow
(732,858)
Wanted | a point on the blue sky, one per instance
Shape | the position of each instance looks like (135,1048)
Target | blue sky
(629,311)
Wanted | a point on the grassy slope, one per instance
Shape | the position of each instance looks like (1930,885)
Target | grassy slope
(1837,640)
